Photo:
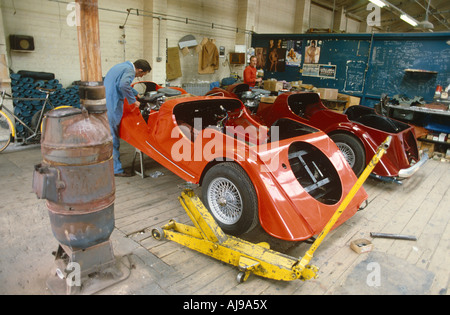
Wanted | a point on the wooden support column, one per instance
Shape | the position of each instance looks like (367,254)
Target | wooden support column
(92,91)
(302,16)
(246,20)
(89,40)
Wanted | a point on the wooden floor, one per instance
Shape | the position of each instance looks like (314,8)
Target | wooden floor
(419,207)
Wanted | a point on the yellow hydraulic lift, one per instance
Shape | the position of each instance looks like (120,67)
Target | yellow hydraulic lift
(208,238)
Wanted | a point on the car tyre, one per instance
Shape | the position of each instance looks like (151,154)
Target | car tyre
(352,150)
(229,195)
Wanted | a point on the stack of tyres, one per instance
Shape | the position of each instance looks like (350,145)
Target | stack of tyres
(24,86)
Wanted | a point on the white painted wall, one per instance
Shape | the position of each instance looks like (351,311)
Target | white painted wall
(57,44)
(275,16)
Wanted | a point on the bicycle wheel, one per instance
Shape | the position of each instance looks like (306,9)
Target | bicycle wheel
(6,131)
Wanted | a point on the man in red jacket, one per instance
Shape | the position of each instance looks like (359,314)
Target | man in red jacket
(250,73)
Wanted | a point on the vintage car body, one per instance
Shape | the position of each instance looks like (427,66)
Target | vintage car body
(291,182)
(358,132)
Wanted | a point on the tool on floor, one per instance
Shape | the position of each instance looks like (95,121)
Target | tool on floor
(208,238)
(394,236)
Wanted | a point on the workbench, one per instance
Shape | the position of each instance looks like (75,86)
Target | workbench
(437,120)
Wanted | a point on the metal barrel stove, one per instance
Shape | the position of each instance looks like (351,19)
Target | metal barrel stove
(76,177)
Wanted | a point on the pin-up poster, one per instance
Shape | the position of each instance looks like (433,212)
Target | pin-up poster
(276,58)
(312,51)
(261,57)
(294,53)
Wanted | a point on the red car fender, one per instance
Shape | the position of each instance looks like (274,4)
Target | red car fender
(286,210)
(389,164)
(143,135)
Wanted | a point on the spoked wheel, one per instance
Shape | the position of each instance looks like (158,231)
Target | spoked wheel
(352,150)
(6,131)
(229,195)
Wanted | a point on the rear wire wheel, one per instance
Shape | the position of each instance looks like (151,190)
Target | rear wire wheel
(229,195)
(352,150)
(6,131)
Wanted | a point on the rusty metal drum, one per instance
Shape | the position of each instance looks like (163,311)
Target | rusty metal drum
(76,176)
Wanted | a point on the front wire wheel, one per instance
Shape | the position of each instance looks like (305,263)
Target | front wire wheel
(229,194)
(6,131)
(225,200)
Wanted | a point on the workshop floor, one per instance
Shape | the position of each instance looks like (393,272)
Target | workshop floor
(419,207)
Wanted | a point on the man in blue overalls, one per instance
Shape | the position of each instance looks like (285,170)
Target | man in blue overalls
(118,88)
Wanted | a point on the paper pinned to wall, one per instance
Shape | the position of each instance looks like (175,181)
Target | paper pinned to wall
(4,73)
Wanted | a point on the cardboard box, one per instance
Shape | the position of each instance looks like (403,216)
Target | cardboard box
(273,86)
(426,146)
(351,100)
(328,94)
(361,246)
(296,84)
(268,99)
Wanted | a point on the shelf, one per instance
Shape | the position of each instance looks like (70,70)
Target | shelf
(420,71)
(420,109)
(433,141)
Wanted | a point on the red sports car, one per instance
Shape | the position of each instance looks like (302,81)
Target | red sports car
(358,132)
(290,177)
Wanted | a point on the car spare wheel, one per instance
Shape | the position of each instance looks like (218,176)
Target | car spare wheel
(230,196)
(352,150)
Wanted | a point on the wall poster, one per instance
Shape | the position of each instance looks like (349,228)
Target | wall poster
(276,61)
(320,71)
(312,51)
(294,53)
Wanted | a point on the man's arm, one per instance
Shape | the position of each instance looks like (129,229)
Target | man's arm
(125,86)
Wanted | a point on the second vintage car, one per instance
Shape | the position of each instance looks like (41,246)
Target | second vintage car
(358,132)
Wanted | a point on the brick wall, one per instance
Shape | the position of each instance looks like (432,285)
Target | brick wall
(57,44)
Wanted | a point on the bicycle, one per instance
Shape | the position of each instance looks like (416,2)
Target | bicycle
(7,127)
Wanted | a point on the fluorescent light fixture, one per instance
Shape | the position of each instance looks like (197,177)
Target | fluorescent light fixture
(378,3)
(408,19)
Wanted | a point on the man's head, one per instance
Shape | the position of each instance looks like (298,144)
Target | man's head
(142,67)
(253,61)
